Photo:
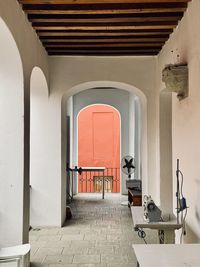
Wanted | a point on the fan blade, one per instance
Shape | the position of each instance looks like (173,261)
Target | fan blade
(126,160)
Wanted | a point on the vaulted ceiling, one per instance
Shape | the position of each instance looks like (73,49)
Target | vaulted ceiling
(104,27)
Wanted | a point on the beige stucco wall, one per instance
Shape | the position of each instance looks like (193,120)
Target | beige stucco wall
(184,47)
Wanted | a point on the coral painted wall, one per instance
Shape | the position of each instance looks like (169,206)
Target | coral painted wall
(99,144)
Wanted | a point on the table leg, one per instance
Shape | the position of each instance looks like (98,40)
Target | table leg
(166,236)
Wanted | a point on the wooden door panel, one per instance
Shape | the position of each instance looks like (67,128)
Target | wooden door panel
(98,143)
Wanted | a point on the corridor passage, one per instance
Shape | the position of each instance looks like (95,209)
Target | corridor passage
(99,234)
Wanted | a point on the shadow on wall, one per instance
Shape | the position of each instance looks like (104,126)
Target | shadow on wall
(191,236)
(197,206)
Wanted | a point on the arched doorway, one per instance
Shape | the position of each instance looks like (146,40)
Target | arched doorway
(99,146)
(11,140)
(69,109)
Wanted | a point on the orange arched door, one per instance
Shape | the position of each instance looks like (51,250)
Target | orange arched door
(99,146)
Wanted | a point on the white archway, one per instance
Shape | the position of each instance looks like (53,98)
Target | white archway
(11,140)
(55,158)
(141,99)
(39,149)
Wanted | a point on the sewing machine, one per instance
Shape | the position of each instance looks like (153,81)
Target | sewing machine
(151,212)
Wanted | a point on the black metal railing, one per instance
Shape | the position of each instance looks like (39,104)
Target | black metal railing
(97,182)
(93,180)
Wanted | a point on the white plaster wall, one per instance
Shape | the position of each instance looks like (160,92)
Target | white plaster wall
(139,122)
(184,43)
(30,48)
(70,113)
(70,75)
(135,140)
(11,140)
(116,98)
(67,73)
(132,123)
(32,54)
(166,176)
(41,191)
(68,103)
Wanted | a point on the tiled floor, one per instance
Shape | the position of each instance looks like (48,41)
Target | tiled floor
(99,234)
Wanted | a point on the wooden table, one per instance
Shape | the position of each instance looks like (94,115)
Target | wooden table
(169,255)
(166,229)
(134,197)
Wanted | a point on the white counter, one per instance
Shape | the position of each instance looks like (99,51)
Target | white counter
(169,255)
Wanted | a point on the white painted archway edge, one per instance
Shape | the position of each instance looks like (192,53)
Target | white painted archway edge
(40,188)
(143,102)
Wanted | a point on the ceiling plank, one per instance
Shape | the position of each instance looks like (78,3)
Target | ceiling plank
(102,33)
(104,45)
(31,10)
(100,16)
(105,20)
(103,24)
(103,40)
(104,28)
(106,54)
(86,2)
(104,51)
(107,48)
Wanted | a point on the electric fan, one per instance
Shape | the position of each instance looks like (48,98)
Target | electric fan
(128,165)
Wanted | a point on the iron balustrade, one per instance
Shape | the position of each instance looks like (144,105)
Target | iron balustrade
(94,180)
(81,171)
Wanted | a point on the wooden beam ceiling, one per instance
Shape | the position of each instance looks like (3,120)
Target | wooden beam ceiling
(104,27)
(84,2)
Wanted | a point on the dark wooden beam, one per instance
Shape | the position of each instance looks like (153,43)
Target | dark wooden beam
(114,9)
(104,20)
(103,33)
(102,45)
(94,24)
(86,2)
(104,16)
(102,49)
(104,28)
(106,54)
(121,51)
(104,25)
(30,10)
(102,40)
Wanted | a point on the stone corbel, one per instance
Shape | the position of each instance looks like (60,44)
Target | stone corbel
(175,78)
